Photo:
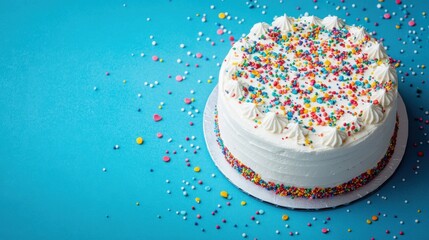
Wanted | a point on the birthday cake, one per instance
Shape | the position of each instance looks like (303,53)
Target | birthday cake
(307,107)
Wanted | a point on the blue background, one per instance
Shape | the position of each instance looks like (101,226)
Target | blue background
(57,133)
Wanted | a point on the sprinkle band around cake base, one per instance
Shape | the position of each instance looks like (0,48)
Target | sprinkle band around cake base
(295,197)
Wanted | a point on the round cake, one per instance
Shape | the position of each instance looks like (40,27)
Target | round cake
(307,106)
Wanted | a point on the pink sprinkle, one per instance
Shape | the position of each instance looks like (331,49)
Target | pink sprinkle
(386,16)
(191,123)
(411,23)
(398,2)
(188,100)
(159,135)
(157,117)
(325,230)
(166,158)
(199,55)
(219,31)
(155,58)
(107,73)
(179,78)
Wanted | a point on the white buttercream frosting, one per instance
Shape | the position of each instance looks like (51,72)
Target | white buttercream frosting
(295,132)
(284,23)
(311,20)
(273,122)
(258,30)
(331,22)
(357,33)
(384,97)
(376,50)
(333,137)
(354,123)
(234,88)
(385,72)
(251,111)
(372,114)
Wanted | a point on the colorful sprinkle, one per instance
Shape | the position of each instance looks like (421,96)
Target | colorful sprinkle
(157,117)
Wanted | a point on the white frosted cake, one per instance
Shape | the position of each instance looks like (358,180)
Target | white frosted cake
(307,106)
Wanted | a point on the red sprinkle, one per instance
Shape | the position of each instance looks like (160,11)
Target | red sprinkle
(157,117)
(155,58)
(166,158)
(179,78)
(187,100)
(411,23)
(386,16)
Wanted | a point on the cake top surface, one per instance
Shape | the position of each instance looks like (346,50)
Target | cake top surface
(310,75)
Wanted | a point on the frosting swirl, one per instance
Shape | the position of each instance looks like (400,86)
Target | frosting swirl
(251,110)
(258,30)
(273,122)
(375,50)
(385,72)
(311,20)
(333,137)
(384,97)
(234,89)
(357,33)
(331,22)
(284,23)
(295,132)
(372,114)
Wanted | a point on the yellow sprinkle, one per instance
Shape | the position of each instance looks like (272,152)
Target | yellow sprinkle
(209,81)
(423,66)
(193,99)
(124,81)
(197,199)
(349,230)
(327,63)
(419,211)
(368,221)
(366,19)
(197,169)
(139,140)
(222,15)
(243,203)
(161,60)
(224,194)
(137,203)
(285,217)
(160,107)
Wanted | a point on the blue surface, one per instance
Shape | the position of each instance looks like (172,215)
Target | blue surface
(57,133)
